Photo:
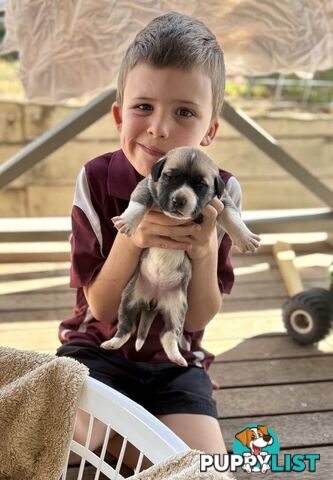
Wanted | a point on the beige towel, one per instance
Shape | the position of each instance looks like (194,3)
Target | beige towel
(39,395)
(184,466)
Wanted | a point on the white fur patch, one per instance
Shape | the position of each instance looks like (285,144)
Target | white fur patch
(129,221)
(134,209)
(161,265)
(191,200)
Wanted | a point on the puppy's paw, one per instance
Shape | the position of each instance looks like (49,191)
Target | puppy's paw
(129,220)
(178,359)
(169,341)
(109,344)
(114,343)
(247,468)
(123,225)
(139,344)
(249,242)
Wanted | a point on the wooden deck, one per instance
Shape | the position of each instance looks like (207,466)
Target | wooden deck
(265,377)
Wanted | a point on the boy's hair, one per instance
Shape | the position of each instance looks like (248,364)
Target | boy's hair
(180,41)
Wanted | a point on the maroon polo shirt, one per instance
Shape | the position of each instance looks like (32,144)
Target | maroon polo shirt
(103,190)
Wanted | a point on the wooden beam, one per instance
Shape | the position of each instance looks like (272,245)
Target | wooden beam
(285,258)
(54,138)
(269,145)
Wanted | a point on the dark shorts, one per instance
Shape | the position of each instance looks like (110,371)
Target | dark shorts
(161,388)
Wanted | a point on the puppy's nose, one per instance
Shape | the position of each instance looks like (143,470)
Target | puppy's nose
(178,201)
(267,438)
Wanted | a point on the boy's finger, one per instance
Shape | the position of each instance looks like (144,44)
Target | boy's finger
(215,384)
(172,231)
(162,219)
(209,214)
(166,242)
(217,204)
(185,239)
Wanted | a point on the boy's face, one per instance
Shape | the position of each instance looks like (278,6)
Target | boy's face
(163,108)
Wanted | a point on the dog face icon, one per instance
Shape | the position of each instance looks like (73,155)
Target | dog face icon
(255,439)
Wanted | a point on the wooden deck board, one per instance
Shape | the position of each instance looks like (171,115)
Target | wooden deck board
(290,428)
(268,346)
(260,399)
(265,377)
(273,372)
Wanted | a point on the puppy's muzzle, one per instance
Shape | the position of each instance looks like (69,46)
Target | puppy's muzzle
(182,203)
(178,202)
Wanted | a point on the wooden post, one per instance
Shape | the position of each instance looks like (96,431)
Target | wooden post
(284,256)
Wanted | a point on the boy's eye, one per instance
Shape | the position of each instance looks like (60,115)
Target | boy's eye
(144,106)
(184,112)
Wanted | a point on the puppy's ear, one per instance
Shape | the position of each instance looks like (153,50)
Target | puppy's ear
(219,186)
(243,436)
(156,169)
(263,429)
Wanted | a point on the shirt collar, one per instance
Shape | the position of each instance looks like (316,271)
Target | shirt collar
(122,176)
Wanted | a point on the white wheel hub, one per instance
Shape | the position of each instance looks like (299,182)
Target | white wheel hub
(301,321)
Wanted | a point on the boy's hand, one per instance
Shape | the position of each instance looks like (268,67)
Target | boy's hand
(206,237)
(158,230)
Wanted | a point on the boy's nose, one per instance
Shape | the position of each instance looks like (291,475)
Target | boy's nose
(158,128)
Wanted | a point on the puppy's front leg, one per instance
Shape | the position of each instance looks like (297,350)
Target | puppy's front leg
(230,220)
(140,203)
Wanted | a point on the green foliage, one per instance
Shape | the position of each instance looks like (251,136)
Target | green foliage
(11,57)
(2,27)
(246,88)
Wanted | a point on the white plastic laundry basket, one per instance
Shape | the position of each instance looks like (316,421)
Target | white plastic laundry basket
(137,426)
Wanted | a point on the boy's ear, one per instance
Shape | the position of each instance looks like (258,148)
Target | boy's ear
(210,135)
(116,112)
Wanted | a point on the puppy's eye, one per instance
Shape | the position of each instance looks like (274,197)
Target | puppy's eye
(170,176)
(200,184)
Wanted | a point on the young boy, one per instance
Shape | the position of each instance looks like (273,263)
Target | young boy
(170,93)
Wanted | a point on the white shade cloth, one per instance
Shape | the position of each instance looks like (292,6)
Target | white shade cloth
(72,48)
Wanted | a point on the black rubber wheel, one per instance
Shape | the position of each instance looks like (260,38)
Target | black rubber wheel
(308,315)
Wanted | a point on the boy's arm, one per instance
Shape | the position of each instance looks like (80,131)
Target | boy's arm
(103,293)
(204,296)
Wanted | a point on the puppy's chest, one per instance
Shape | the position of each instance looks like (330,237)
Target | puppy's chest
(161,274)
(163,267)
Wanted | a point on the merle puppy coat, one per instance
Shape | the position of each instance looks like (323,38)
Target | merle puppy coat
(181,184)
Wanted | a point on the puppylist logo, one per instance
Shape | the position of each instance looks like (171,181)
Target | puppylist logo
(256,449)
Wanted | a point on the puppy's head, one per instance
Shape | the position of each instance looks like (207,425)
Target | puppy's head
(184,181)
(255,437)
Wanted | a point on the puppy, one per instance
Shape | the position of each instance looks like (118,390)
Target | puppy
(181,184)
(255,439)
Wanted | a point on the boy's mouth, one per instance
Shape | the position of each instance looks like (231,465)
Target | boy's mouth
(151,151)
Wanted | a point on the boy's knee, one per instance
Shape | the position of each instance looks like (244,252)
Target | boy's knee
(81,431)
